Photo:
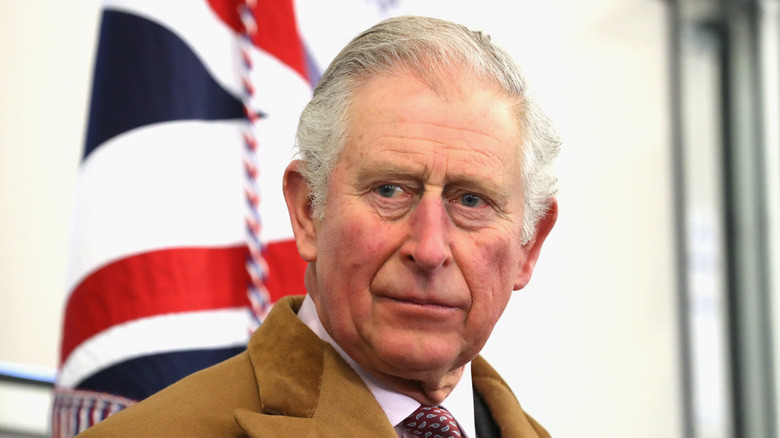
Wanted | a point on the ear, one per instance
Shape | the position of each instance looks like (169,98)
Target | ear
(533,247)
(297,197)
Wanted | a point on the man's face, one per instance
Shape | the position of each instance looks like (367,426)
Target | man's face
(420,247)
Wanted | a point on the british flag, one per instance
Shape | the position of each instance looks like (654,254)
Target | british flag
(158,280)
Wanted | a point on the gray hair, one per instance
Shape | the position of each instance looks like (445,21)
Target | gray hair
(433,50)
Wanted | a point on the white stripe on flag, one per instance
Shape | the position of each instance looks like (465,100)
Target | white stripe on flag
(158,334)
(174,184)
(165,185)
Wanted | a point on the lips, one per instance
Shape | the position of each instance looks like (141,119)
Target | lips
(422,301)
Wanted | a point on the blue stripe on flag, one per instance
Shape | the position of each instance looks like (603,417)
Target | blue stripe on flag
(146,74)
(141,377)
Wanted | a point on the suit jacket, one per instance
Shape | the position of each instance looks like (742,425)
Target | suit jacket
(288,383)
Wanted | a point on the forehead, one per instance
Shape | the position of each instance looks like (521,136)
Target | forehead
(400,117)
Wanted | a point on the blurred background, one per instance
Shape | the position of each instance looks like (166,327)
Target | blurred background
(654,309)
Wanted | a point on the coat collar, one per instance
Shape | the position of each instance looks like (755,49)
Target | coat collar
(502,403)
(304,384)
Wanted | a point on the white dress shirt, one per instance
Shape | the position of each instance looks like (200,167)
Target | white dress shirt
(397,406)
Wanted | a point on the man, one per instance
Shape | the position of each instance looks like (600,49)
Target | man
(421,200)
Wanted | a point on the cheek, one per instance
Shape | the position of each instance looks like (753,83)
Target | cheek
(497,259)
(352,250)
(493,269)
(352,241)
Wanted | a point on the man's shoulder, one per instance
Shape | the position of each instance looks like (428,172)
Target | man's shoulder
(202,404)
(502,403)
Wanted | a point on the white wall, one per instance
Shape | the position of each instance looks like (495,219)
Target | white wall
(590,347)
(46,51)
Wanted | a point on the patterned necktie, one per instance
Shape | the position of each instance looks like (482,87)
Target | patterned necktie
(432,422)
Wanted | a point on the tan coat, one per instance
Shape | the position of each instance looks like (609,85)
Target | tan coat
(289,383)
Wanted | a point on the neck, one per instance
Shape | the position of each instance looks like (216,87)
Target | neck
(428,390)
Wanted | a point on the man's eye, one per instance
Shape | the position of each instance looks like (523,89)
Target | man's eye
(470,200)
(389,190)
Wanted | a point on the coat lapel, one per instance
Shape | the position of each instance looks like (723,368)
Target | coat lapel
(307,390)
(502,403)
(305,386)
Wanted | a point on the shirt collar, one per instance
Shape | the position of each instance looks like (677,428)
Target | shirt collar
(397,406)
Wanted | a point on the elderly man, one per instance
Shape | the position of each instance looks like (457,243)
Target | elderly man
(421,200)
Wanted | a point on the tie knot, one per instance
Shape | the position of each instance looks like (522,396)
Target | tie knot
(432,422)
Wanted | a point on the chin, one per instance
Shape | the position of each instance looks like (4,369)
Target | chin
(413,364)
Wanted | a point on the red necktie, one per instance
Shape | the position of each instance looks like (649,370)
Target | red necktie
(432,422)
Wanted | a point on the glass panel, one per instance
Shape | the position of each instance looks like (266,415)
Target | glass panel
(702,219)
(728,163)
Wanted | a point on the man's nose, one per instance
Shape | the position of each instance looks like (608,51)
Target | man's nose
(429,234)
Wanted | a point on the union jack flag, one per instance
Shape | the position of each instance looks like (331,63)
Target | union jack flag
(157,278)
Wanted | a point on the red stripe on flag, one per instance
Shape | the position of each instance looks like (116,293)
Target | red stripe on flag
(277,31)
(169,281)
(155,283)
